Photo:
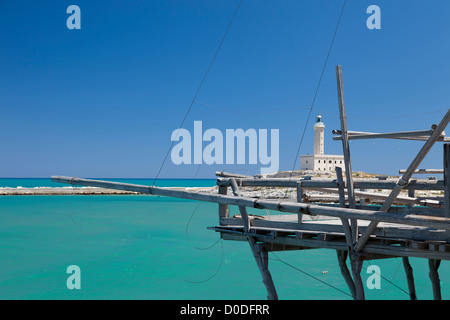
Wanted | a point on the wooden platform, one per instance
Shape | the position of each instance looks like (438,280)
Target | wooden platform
(389,240)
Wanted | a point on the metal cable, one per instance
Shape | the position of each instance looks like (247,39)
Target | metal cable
(309,275)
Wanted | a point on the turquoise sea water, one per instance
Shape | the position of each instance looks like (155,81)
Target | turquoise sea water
(147,247)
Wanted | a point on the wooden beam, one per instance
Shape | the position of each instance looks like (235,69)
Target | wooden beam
(424,171)
(230,175)
(380,196)
(389,134)
(407,135)
(346,149)
(359,183)
(440,139)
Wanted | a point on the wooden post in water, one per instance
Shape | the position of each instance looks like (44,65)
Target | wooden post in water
(259,252)
(409,278)
(356,271)
(342,258)
(433,265)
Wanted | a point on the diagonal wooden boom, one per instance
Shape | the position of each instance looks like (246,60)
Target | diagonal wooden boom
(309,209)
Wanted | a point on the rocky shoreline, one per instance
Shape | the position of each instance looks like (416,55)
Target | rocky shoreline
(289,194)
(53,191)
(50,191)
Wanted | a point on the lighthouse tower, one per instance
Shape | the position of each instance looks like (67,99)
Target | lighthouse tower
(319,128)
(319,161)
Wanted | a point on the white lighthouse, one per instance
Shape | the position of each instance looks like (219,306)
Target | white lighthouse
(319,129)
(319,161)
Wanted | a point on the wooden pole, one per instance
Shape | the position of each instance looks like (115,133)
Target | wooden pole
(404,180)
(346,149)
(356,286)
(242,209)
(342,258)
(267,277)
(386,134)
(447,184)
(423,135)
(299,192)
(300,200)
(341,186)
(223,208)
(262,261)
(349,237)
(356,271)
(355,263)
(346,225)
(433,265)
(409,278)
(259,252)
(424,171)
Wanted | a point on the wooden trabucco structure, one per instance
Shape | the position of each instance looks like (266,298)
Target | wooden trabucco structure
(401,226)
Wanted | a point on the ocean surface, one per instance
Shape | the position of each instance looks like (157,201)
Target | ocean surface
(148,247)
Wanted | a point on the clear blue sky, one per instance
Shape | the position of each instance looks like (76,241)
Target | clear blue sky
(103,101)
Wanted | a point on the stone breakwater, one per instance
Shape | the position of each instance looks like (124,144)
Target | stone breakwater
(59,191)
(51,191)
(288,194)
(268,193)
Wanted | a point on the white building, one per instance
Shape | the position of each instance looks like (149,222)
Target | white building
(319,161)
